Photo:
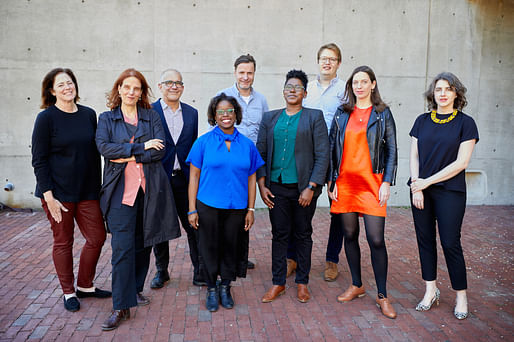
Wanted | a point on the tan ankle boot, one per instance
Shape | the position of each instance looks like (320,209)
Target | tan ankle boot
(291,267)
(331,272)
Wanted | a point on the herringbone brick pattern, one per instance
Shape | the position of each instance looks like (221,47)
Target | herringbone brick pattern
(31,299)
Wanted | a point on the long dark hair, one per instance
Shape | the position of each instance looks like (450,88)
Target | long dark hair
(456,85)
(47,98)
(349,97)
(113,97)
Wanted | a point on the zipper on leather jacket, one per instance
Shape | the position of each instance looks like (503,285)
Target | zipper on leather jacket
(377,143)
(340,158)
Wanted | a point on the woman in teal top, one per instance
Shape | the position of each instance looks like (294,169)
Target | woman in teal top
(223,165)
(294,143)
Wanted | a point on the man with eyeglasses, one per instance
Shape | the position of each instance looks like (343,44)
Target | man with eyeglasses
(180,123)
(252,103)
(326,93)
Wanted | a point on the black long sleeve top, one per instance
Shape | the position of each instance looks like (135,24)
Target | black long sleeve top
(64,154)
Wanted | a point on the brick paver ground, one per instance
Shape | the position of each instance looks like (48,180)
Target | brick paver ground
(31,299)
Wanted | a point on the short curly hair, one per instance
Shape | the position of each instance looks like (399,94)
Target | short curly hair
(454,82)
(211,111)
(299,74)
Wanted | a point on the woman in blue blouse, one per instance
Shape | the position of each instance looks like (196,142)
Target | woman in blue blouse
(442,143)
(222,196)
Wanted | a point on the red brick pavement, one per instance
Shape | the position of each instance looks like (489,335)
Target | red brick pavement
(31,299)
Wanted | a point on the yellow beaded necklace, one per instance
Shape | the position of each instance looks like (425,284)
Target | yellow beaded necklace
(439,121)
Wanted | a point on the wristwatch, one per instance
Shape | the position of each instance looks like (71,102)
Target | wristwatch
(311,187)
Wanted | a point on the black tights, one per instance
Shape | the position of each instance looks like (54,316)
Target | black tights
(375,236)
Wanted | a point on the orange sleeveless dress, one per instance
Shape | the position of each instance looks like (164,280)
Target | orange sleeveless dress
(357,185)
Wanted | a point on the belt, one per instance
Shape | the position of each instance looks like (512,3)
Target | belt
(176,172)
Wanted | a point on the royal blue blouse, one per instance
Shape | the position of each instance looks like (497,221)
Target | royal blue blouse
(224,175)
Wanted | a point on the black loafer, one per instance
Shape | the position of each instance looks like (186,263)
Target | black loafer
(212,301)
(161,277)
(97,294)
(142,300)
(198,281)
(72,304)
(225,297)
(251,265)
(115,319)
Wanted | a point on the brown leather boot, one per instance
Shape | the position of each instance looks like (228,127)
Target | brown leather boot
(273,293)
(385,305)
(303,293)
(115,319)
(331,271)
(351,293)
(291,267)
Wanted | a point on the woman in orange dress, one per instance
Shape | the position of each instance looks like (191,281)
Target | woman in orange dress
(362,168)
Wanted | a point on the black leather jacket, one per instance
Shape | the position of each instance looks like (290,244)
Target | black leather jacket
(381,135)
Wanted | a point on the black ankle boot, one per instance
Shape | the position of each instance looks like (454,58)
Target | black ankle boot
(226,298)
(212,299)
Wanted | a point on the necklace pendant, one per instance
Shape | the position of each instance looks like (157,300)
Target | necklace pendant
(360,120)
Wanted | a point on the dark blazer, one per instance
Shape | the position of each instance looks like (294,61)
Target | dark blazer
(160,221)
(311,147)
(381,137)
(185,141)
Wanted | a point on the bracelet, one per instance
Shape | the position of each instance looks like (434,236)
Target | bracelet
(251,209)
(192,212)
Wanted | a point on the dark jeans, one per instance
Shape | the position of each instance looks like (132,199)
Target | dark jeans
(447,207)
(334,245)
(288,217)
(218,233)
(161,250)
(89,219)
(130,259)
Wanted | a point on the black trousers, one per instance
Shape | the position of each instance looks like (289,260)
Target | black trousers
(218,233)
(288,217)
(334,244)
(161,250)
(447,208)
(130,259)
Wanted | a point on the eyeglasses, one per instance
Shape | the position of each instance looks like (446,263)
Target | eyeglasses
(229,111)
(290,87)
(169,84)
(330,60)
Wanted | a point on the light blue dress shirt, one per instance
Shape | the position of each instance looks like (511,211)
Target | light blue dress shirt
(252,112)
(327,100)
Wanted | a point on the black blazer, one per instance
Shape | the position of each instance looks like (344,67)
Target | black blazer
(311,147)
(185,141)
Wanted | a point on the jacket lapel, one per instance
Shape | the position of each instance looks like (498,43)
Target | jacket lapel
(373,117)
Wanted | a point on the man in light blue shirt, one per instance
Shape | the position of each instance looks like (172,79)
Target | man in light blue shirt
(252,103)
(325,93)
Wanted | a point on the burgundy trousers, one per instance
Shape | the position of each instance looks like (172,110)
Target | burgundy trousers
(90,222)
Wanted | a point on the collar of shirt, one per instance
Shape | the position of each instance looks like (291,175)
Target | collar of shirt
(332,81)
(165,107)
(236,91)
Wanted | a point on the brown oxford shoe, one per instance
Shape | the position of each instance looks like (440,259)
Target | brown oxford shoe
(351,293)
(385,306)
(303,293)
(115,319)
(291,267)
(273,293)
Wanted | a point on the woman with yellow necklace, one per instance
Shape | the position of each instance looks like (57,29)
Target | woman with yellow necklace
(441,147)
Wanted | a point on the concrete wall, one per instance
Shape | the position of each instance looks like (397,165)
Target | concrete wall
(406,42)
